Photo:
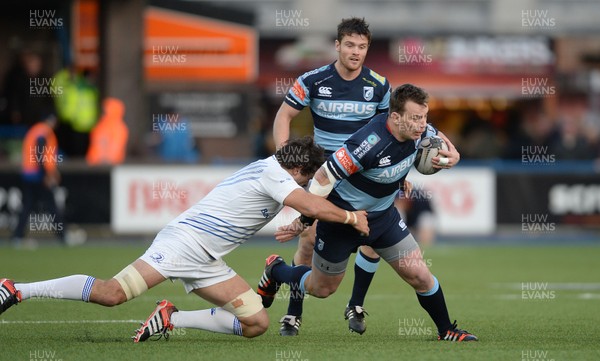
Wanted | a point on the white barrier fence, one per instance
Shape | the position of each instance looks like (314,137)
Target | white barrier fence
(145,198)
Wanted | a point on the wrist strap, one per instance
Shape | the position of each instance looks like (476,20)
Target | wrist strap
(347,217)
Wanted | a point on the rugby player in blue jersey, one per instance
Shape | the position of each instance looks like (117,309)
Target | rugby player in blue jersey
(365,173)
(342,96)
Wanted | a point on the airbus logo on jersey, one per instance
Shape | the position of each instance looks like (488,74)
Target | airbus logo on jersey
(344,107)
(385,161)
(395,171)
(325,91)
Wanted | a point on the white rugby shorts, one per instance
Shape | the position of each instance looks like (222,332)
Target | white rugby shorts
(176,255)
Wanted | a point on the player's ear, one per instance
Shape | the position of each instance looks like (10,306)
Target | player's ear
(337,45)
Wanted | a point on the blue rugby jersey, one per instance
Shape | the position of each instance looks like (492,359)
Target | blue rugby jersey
(339,107)
(371,166)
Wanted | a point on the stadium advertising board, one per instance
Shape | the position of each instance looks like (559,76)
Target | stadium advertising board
(463,199)
(566,199)
(208,114)
(146,198)
(78,190)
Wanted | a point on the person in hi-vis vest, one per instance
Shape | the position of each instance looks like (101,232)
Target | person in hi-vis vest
(40,155)
(108,139)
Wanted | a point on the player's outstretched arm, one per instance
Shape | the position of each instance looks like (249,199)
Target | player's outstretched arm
(319,208)
(452,154)
(281,124)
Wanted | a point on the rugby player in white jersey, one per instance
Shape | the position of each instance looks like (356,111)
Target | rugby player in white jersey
(191,247)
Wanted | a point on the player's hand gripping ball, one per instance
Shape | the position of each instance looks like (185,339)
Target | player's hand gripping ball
(426,151)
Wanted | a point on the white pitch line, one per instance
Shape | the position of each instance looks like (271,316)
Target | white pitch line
(52,322)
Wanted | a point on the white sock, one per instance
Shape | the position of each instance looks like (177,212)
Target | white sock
(214,319)
(76,287)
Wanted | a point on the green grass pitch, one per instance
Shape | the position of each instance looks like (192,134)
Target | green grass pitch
(524,303)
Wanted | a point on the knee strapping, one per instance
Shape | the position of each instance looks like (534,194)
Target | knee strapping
(245,305)
(132,282)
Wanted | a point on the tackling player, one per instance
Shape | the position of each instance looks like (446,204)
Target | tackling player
(364,174)
(342,97)
(192,246)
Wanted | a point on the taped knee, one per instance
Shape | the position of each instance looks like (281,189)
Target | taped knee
(132,282)
(245,305)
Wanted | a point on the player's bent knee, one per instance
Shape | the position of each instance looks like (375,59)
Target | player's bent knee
(107,293)
(131,281)
(248,308)
(369,252)
(259,326)
(245,305)
(323,291)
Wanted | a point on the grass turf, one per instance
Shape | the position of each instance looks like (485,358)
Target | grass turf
(557,318)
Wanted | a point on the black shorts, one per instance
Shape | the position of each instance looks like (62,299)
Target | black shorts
(335,241)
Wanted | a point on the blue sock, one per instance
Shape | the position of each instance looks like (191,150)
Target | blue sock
(364,270)
(434,303)
(296,300)
(287,274)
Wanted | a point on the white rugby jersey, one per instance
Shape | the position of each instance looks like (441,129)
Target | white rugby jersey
(237,207)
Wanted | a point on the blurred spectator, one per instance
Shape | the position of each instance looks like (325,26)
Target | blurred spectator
(417,212)
(529,126)
(40,178)
(172,138)
(77,109)
(25,89)
(262,129)
(479,138)
(108,139)
(576,138)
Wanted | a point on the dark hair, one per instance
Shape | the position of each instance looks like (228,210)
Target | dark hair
(406,92)
(303,153)
(353,26)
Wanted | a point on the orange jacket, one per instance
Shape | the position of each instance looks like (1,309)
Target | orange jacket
(35,155)
(108,139)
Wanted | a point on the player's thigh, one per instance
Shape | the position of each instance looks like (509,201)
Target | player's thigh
(406,258)
(306,243)
(334,245)
(322,284)
(150,275)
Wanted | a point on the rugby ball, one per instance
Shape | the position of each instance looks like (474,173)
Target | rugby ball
(428,149)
